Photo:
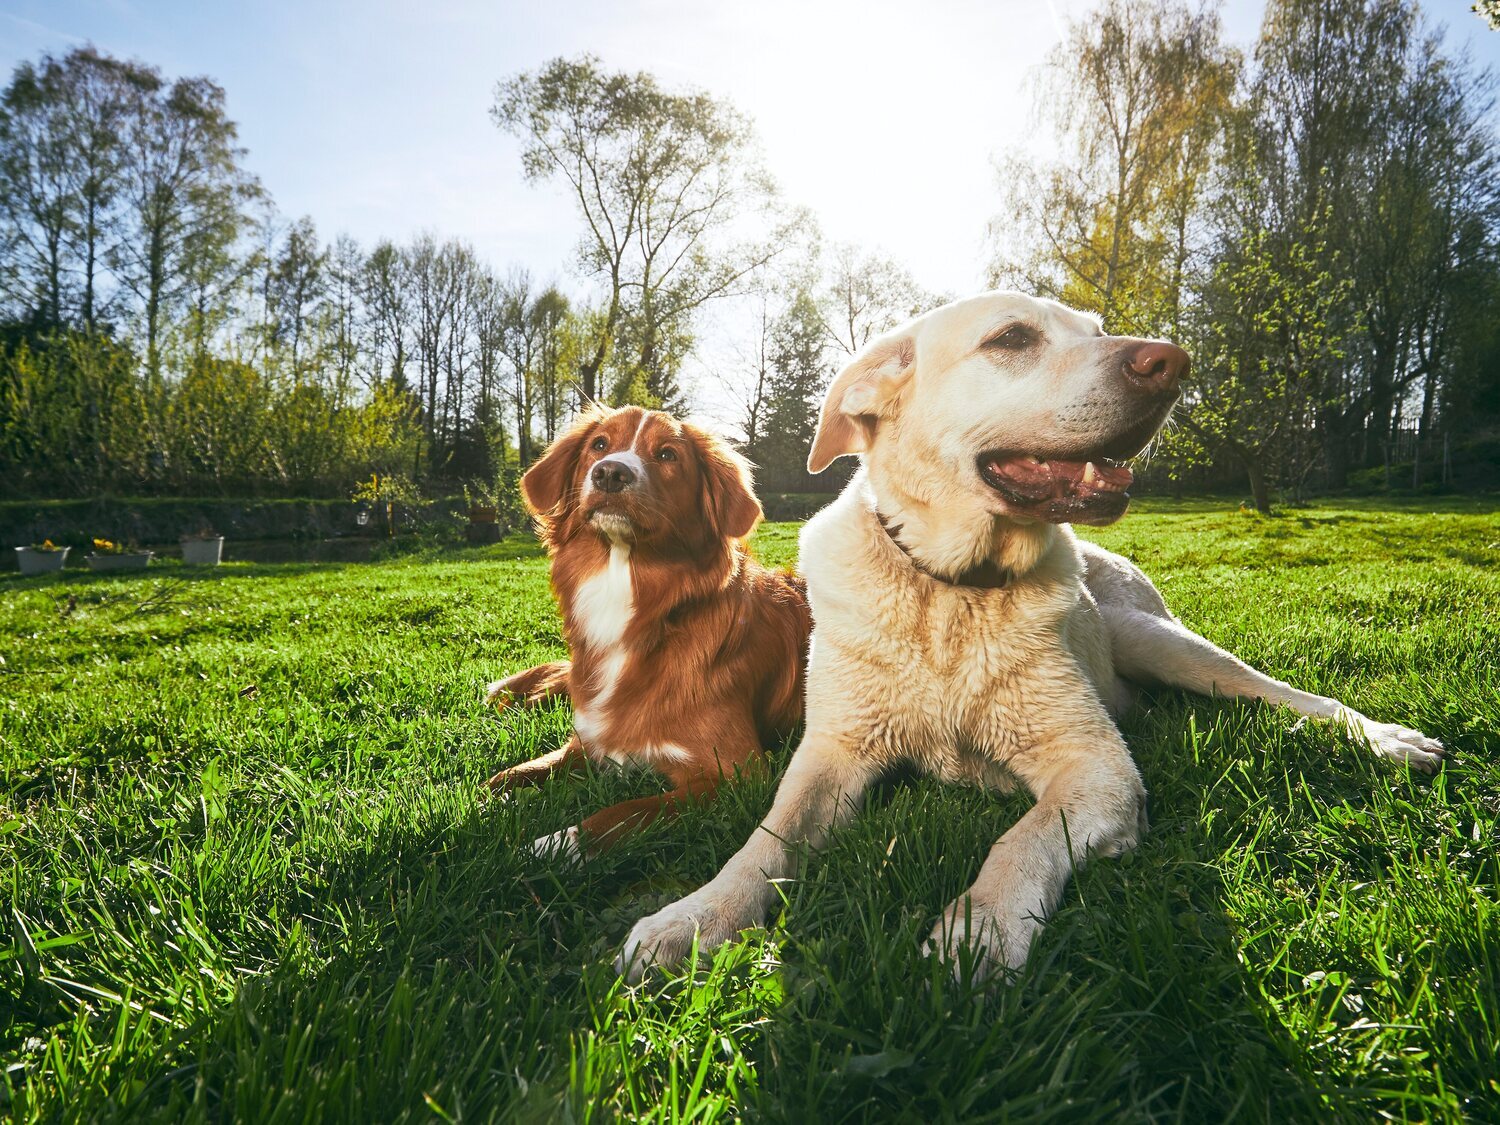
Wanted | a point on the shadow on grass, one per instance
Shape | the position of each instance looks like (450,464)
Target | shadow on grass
(73,579)
(1124,1012)
(443,969)
(440,969)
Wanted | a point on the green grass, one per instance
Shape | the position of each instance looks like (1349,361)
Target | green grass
(247,875)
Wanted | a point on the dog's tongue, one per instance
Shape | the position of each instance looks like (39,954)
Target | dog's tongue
(1038,480)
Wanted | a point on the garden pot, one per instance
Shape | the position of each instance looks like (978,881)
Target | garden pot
(134,560)
(33,560)
(483,513)
(202,552)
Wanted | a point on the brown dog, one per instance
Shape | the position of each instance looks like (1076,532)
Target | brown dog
(687,655)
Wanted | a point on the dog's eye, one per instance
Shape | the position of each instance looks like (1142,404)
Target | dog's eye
(666,453)
(599,444)
(1014,338)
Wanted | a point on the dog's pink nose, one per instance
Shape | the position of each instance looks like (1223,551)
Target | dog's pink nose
(1156,367)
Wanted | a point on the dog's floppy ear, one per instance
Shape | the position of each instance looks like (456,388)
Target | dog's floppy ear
(858,393)
(729,501)
(548,482)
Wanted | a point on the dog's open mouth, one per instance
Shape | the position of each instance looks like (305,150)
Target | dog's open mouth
(1092,490)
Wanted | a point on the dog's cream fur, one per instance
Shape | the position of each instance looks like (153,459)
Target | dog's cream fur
(1019,683)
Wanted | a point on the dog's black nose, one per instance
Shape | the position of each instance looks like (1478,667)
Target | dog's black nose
(612,476)
(1156,367)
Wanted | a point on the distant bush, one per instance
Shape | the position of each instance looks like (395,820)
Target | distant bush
(79,415)
(1474,465)
(166,519)
(794,505)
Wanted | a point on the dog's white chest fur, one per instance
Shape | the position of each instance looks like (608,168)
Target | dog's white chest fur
(604,603)
(602,608)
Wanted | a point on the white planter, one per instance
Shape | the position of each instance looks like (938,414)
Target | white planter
(35,561)
(202,552)
(135,560)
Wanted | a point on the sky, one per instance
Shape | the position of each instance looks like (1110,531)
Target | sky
(883,118)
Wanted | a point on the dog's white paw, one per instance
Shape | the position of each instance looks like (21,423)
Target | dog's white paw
(561,845)
(666,937)
(999,941)
(498,695)
(1401,744)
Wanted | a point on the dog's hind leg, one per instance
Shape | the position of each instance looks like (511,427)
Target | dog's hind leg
(1150,649)
(693,776)
(607,827)
(533,686)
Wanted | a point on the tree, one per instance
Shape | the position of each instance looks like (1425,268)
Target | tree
(60,169)
(213,276)
(865,294)
(183,194)
(1265,358)
(518,342)
(1309,228)
(798,376)
(641,373)
(748,382)
(296,286)
(1359,114)
(440,277)
(659,178)
(1138,94)
(1434,202)
(345,266)
(256,357)
(384,290)
(35,189)
(558,340)
(93,97)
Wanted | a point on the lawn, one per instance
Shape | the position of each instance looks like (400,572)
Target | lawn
(248,875)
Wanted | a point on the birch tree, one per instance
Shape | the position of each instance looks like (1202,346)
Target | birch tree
(660,180)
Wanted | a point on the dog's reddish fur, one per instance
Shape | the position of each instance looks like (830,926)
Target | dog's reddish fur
(710,663)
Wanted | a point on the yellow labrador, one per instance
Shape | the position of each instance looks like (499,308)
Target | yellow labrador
(960,626)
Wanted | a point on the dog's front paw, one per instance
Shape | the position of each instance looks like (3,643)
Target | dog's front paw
(665,938)
(1401,744)
(998,941)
